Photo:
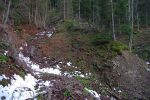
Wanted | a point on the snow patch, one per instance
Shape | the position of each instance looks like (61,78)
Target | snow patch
(5,53)
(94,94)
(69,63)
(3,77)
(148,63)
(22,89)
(47,33)
(17,84)
(76,73)
(21,48)
(36,67)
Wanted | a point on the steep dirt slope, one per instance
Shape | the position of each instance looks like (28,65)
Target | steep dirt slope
(129,73)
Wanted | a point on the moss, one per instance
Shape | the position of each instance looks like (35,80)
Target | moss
(39,97)
(101,40)
(67,93)
(84,81)
(3,58)
(117,47)
(4,82)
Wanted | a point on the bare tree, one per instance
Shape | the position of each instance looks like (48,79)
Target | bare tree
(79,12)
(7,14)
(64,9)
(132,25)
(113,24)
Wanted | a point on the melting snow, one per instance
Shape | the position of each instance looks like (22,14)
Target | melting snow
(17,83)
(5,53)
(148,63)
(3,77)
(21,48)
(94,94)
(36,67)
(47,33)
(69,63)
(77,73)
(22,89)
(119,91)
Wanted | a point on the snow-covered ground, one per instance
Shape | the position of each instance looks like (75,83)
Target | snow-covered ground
(36,67)
(21,89)
(25,88)
(55,70)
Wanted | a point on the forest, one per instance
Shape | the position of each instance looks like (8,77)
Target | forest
(74,49)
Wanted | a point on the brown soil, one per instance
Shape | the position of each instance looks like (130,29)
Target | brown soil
(129,74)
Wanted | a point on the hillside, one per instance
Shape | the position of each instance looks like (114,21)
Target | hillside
(58,66)
(74,49)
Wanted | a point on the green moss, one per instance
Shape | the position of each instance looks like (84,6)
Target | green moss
(117,47)
(4,82)
(67,93)
(84,81)
(3,58)
(101,40)
(39,97)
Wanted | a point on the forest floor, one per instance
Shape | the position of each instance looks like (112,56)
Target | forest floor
(59,63)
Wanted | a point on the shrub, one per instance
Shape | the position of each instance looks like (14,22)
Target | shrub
(70,25)
(118,47)
(101,40)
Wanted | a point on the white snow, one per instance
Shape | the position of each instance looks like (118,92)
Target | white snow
(47,33)
(17,83)
(3,77)
(36,67)
(94,94)
(119,91)
(21,48)
(69,63)
(77,73)
(22,89)
(114,89)
(148,63)
(45,83)
(49,70)
(5,53)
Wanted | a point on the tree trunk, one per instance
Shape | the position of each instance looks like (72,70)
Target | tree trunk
(79,12)
(113,24)
(36,13)
(7,14)
(64,9)
(146,19)
(132,26)
(138,22)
